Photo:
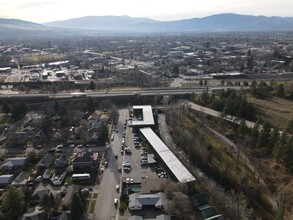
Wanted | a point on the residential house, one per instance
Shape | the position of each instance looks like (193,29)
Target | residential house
(85,160)
(137,201)
(47,174)
(14,163)
(95,126)
(40,137)
(5,180)
(104,118)
(39,194)
(18,139)
(21,179)
(61,162)
(45,161)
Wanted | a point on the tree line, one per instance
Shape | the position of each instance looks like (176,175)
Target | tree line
(270,140)
(265,90)
(16,109)
(229,102)
(15,202)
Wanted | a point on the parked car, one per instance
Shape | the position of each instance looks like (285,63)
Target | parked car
(52,150)
(71,146)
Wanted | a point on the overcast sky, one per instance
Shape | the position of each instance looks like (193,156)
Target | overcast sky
(50,10)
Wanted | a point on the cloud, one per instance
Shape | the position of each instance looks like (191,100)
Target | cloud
(34,4)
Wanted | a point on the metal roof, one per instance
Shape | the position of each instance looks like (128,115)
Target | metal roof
(147,113)
(171,161)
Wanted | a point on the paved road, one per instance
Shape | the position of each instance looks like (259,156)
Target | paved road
(105,208)
(147,92)
(218,114)
(107,190)
(177,83)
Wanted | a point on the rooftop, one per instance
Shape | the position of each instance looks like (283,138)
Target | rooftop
(171,161)
(147,113)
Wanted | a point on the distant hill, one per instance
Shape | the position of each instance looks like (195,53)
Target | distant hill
(96,25)
(20,24)
(17,29)
(106,23)
(214,23)
(225,22)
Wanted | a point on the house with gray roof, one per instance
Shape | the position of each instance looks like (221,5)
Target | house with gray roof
(39,194)
(13,163)
(45,161)
(5,180)
(21,179)
(137,201)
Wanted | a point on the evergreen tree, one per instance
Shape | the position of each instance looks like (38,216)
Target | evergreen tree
(275,135)
(103,134)
(6,108)
(242,128)
(289,128)
(205,82)
(200,82)
(281,91)
(90,105)
(18,110)
(56,107)
(278,151)
(288,154)
(255,131)
(13,203)
(92,86)
(64,117)
(78,207)
(242,68)
(48,203)
(261,139)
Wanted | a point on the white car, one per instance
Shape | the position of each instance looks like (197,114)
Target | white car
(117,188)
(126,163)
(71,146)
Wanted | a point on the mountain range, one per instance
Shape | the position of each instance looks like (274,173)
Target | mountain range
(214,23)
(124,24)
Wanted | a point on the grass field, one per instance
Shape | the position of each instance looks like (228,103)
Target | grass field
(43,58)
(92,206)
(275,110)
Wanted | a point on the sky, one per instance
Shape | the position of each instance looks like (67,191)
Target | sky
(51,10)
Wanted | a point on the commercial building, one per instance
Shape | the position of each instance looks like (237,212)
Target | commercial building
(179,171)
(142,117)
